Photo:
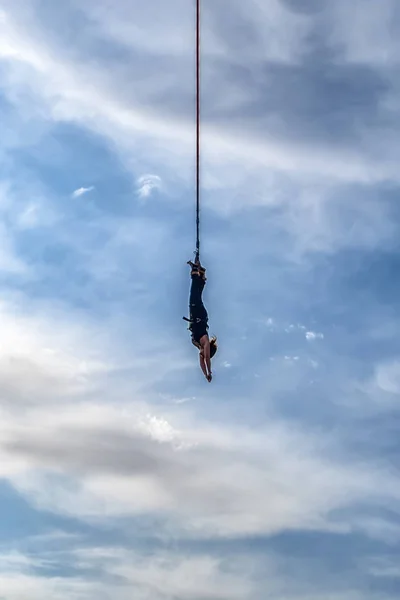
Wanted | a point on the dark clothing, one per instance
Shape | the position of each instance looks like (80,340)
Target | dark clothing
(198,313)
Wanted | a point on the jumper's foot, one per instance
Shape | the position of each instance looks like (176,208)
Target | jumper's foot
(197,269)
(196,265)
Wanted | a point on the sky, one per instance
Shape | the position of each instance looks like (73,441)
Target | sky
(123,473)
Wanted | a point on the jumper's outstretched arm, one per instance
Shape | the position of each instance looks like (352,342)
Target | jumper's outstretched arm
(207,359)
(203,365)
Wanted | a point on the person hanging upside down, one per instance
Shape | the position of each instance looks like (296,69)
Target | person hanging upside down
(199,319)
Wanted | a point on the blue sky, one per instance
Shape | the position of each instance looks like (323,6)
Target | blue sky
(124,474)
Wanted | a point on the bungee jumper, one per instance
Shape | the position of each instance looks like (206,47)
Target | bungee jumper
(198,321)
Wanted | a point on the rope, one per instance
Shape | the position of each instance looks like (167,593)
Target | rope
(197,129)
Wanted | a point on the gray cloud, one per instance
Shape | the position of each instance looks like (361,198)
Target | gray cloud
(207,481)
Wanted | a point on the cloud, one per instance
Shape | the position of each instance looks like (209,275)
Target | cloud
(161,485)
(120,570)
(308,167)
(368,43)
(81,191)
(75,99)
(147,184)
(312,335)
(103,461)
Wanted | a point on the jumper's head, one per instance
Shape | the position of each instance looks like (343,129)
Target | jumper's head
(213,346)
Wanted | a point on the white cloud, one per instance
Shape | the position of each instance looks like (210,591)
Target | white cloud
(121,572)
(115,460)
(270,323)
(274,325)
(312,335)
(170,576)
(81,191)
(147,184)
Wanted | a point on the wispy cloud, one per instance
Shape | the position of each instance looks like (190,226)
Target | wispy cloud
(82,191)
(147,184)
(312,335)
